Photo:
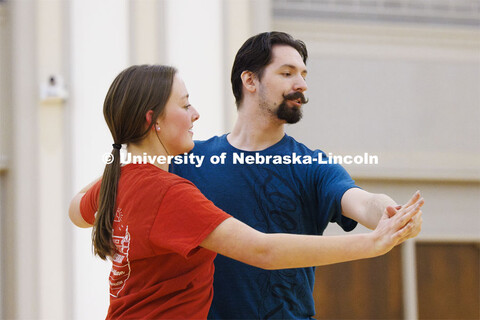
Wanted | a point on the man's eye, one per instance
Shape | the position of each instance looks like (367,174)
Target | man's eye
(287,74)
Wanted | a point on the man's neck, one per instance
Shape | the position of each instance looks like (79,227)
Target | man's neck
(255,132)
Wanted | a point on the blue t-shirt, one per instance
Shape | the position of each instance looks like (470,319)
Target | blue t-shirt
(283,196)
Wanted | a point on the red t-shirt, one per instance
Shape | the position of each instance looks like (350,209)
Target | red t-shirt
(159,270)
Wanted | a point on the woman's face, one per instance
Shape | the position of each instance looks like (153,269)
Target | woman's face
(177,122)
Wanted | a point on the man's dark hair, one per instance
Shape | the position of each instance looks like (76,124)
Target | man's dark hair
(256,53)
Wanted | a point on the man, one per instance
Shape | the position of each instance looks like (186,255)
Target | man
(276,193)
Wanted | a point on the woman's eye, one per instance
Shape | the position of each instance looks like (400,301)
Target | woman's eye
(187,106)
(287,74)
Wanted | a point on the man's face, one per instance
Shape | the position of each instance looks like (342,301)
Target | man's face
(282,85)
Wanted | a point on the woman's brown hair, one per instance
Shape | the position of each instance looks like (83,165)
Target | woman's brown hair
(134,92)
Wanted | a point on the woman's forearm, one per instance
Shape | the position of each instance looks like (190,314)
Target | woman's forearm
(298,251)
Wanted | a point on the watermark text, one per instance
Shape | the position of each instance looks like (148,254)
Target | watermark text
(242,158)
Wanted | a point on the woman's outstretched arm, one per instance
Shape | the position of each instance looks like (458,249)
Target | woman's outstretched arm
(238,241)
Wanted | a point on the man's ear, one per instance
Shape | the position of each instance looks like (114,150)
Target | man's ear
(249,81)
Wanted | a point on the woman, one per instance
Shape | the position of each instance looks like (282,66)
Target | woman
(162,234)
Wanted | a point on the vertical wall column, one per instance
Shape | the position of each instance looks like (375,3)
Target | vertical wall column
(241,20)
(51,212)
(194,44)
(99,44)
(147,32)
(36,254)
(237,29)
(52,260)
(22,219)
(5,136)
(409,268)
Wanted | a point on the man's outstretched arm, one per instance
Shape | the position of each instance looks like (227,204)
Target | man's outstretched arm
(367,208)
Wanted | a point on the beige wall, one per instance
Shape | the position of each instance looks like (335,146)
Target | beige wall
(408,94)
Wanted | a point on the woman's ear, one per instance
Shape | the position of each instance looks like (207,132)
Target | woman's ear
(248,80)
(149,118)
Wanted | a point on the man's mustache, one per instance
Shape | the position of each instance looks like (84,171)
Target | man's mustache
(295,96)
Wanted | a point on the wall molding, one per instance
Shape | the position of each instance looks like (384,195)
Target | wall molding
(372,41)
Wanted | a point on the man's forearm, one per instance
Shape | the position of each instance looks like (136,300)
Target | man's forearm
(365,207)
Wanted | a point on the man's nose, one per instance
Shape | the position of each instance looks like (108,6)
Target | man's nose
(300,84)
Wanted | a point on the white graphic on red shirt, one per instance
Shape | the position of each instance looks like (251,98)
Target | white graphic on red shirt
(118,215)
(120,263)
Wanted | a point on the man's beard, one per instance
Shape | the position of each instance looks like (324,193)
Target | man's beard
(291,114)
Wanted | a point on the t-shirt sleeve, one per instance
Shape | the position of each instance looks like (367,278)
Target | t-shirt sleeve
(334,181)
(184,219)
(89,203)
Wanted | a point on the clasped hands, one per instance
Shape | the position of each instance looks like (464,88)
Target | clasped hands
(398,224)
